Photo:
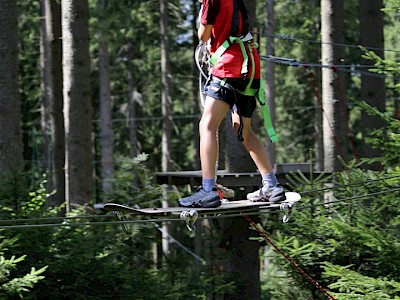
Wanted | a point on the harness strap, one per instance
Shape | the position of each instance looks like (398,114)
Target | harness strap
(225,45)
(266,114)
(224,83)
(259,93)
(245,41)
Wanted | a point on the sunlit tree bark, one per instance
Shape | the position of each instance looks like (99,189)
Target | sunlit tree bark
(332,32)
(77,102)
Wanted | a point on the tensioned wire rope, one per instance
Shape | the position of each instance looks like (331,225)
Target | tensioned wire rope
(350,68)
(246,215)
(335,69)
(220,215)
(300,40)
(341,68)
(287,37)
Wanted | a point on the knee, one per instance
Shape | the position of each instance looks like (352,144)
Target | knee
(248,138)
(205,125)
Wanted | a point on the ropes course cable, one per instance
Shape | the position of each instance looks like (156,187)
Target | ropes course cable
(339,68)
(304,192)
(66,224)
(335,69)
(221,215)
(292,262)
(358,183)
(337,201)
(288,37)
(55,219)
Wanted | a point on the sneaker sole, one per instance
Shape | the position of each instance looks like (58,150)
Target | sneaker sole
(210,204)
(276,199)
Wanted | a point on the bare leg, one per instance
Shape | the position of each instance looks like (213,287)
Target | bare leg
(253,145)
(270,190)
(214,113)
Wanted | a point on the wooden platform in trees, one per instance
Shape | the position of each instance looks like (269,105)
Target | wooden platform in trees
(230,179)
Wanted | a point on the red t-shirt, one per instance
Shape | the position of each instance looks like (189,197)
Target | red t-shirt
(219,14)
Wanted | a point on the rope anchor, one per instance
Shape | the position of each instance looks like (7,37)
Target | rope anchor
(190,217)
(286,206)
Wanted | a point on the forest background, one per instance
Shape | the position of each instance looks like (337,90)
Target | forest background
(344,234)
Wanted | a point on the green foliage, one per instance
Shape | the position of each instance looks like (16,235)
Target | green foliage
(345,233)
(12,285)
(346,245)
(13,190)
(353,286)
(348,222)
(386,138)
(394,5)
(100,261)
(97,261)
(133,184)
(382,66)
(294,92)
(132,31)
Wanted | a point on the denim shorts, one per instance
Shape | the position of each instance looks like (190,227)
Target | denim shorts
(229,94)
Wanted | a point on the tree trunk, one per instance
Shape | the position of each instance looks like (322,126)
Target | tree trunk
(373,89)
(332,32)
(106,128)
(165,91)
(166,112)
(10,132)
(243,259)
(44,105)
(52,86)
(77,103)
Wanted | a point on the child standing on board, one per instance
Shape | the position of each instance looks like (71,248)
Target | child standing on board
(235,73)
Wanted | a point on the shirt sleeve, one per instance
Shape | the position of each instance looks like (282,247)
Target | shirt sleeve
(209,12)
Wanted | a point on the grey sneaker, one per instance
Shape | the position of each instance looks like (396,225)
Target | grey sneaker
(201,199)
(268,194)
(226,192)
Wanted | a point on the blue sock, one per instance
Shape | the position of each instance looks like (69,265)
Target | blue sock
(269,179)
(208,184)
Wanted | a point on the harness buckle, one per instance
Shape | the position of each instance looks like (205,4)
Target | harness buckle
(247,38)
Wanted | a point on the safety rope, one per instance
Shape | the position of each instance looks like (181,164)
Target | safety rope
(256,212)
(64,221)
(300,40)
(341,68)
(295,265)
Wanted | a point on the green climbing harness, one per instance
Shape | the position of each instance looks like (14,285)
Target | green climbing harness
(248,91)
